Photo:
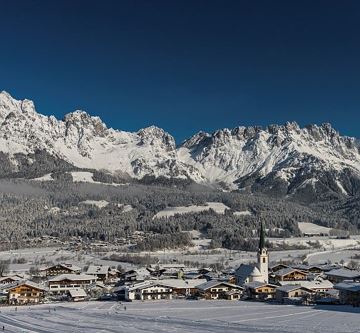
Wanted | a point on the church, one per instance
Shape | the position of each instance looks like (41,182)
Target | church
(246,273)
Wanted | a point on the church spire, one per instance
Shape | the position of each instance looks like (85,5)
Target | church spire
(262,237)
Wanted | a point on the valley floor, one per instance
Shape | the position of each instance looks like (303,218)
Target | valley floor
(180,316)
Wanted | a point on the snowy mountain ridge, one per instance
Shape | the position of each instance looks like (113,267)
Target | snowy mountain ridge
(285,158)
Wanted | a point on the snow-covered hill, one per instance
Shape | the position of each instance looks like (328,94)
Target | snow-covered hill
(283,159)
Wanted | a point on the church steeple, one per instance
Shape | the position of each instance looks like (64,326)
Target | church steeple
(262,237)
(263,257)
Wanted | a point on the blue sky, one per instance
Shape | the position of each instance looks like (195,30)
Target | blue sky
(186,65)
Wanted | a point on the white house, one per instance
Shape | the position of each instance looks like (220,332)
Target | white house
(148,290)
(62,284)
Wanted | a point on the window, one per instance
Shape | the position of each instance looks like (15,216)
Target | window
(264,260)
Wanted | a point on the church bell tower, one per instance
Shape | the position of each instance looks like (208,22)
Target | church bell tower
(263,256)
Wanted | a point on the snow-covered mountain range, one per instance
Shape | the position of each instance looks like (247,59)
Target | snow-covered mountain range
(284,159)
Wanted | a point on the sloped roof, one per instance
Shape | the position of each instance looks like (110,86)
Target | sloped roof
(257,284)
(255,272)
(349,286)
(315,284)
(29,284)
(64,265)
(78,292)
(214,283)
(12,277)
(245,270)
(183,284)
(288,270)
(93,270)
(146,284)
(344,273)
(72,277)
(291,287)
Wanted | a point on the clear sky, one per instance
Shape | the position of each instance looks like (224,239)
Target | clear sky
(186,65)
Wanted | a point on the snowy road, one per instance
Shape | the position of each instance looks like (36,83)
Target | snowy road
(180,316)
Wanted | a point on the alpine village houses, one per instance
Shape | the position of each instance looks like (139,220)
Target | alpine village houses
(281,283)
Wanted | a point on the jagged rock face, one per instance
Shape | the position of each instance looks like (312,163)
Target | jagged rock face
(282,159)
(85,142)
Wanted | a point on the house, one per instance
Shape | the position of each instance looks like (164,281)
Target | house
(26,292)
(148,290)
(233,295)
(61,284)
(101,272)
(255,273)
(182,287)
(4,280)
(59,269)
(260,290)
(343,274)
(316,269)
(292,291)
(277,267)
(349,293)
(319,286)
(77,295)
(139,275)
(289,274)
(215,289)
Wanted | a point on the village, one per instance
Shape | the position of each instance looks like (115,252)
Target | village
(278,283)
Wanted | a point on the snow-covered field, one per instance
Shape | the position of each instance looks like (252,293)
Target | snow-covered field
(312,228)
(78,177)
(218,207)
(180,316)
(323,241)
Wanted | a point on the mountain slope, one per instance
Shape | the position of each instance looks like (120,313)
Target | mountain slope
(280,160)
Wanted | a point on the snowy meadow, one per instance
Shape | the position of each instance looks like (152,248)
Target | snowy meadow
(180,316)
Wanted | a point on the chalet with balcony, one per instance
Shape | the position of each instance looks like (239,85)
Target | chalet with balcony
(59,269)
(26,292)
(260,290)
(215,289)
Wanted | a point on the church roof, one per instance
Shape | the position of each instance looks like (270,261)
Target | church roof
(255,272)
(245,271)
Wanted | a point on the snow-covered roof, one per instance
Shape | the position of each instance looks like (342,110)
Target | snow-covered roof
(291,287)
(344,273)
(64,265)
(29,284)
(94,270)
(348,286)
(183,284)
(255,272)
(72,277)
(11,277)
(288,270)
(214,283)
(322,267)
(258,284)
(146,284)
(244,271)
(315,284)
(77,292)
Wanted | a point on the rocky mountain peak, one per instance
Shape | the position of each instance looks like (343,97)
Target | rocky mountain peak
(81,121)
(156,136)
(240,157)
